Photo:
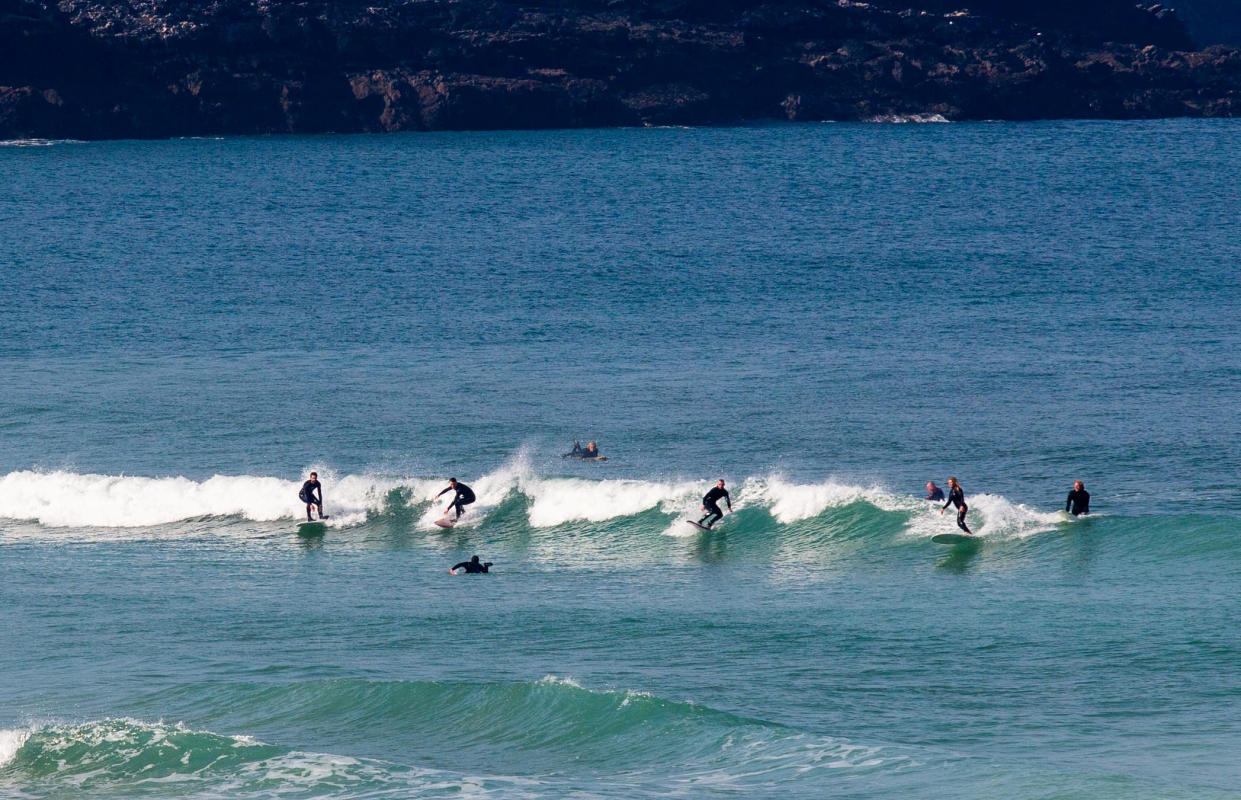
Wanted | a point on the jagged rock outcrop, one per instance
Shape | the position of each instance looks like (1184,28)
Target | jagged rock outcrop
(154,68)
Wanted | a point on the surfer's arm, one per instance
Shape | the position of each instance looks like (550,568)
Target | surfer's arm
(728,499)
(441,492)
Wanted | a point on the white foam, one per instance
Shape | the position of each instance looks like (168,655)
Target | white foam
(67,499)
(989,515)
(10,742)
(557,501)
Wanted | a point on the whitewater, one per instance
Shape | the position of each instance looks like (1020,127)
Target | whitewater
(70,500)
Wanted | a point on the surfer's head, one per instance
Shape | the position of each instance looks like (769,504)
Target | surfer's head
(314,476)
(452,481)
(474,559)
(720,483)
(952,482)
(1078,485)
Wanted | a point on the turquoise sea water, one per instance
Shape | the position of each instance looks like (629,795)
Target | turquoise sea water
(826,316)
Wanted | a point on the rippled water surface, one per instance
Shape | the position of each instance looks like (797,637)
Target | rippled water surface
(826,316)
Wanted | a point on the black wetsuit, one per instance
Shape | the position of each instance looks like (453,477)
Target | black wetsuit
(1078,502)
(472,567)
(711,502)
(957,497)
(308,496)
(936,495)
(464,496)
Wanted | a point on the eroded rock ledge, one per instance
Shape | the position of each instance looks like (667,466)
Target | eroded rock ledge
(156,68)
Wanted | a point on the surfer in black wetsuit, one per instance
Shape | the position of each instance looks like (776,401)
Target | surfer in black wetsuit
(591,451)
(933,492)
(710,504)
(472,567)
(956,497)
(576,452)
(312,495)
(1078,502)
(463,497)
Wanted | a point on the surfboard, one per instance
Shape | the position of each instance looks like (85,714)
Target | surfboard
(444,522)
(699,527)
(953,538)
(308,528)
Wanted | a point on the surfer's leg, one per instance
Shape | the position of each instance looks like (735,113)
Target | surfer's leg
(309,506)
(460,508)
(961,520)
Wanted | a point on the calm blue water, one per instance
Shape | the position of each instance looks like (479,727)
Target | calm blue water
(827,316)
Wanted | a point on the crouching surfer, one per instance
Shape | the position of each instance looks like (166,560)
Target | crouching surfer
(472,567)
(711,504)
(463,497)
(312,495)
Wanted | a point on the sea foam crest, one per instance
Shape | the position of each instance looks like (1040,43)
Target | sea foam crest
(67,499)
(64,499)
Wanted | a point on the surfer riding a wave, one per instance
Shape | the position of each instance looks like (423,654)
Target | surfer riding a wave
(463,497)
(312,495)
(956,496)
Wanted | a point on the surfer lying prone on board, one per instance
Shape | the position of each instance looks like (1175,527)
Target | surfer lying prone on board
(471,567)
(956,497)
(463,497)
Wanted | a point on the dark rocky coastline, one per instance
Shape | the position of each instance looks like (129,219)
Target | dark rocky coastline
(95,69)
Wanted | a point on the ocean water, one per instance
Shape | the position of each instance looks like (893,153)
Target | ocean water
(826,316)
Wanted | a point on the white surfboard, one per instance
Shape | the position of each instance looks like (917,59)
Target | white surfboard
(444,522)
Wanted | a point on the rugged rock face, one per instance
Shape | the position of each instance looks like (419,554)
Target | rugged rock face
(154,68)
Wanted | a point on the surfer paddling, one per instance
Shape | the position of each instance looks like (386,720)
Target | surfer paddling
(711,504)
(463,497)
(956,497)
(933,492)
(1078,501)
(312,495)
(472,567)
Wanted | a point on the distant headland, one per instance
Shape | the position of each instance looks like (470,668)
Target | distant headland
(98,69)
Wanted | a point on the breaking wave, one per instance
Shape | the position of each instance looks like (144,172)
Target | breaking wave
(72,500)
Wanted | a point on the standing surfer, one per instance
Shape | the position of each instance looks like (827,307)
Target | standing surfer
(1078,502)
(956,497)
(711,504)
(463,497)
(312,495)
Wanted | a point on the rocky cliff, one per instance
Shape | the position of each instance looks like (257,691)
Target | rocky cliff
(154,68)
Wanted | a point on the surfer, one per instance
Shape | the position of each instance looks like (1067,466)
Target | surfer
(956,497)
(591,451)
(463,497)
(933,492)
(711,501)
(1078,502)
(471,567)
(576,452)
(312,495)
